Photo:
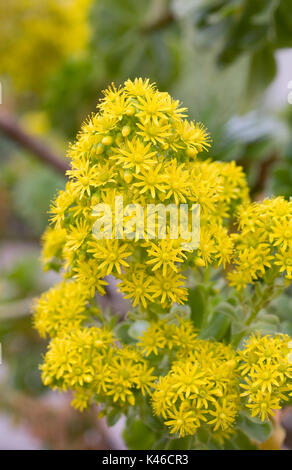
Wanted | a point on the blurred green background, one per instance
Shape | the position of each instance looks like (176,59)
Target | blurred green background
(230,62)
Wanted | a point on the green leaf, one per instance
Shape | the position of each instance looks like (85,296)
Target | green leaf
(122,333)
(262,70)
(268,317)
(113,416)
(264,327)
(229,310)
(217,328)
(198,304)
(224,317)
(203,435)
(286,328)
(254,428)
(283,24)
(242,442)
(138,436)
(265,16)
(239,332)
(289,401)
(182,443)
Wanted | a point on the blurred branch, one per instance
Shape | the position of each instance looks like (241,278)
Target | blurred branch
(164,20)
(264,173)
(52,421)
(11,129)
(16,309)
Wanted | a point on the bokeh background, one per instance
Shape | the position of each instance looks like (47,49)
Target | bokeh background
(230,62)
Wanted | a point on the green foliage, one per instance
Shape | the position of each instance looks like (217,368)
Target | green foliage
(281,180)
(22,351)
(122,46)
(198,304)
(31,195)
(138,436)
(254,429)
(129,46)
(72,93)
(256,28)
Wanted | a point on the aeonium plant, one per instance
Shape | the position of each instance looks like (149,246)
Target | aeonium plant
(198,362)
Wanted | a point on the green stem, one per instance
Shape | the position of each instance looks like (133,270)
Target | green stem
(260,299)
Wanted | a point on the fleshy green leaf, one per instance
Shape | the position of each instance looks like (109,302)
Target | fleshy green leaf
(198,303)
(217,328)
(138,436)
(254,428)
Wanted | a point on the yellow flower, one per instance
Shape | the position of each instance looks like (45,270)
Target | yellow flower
(183,421)
(111,254)
(188,380)
(135,155)
(225,247)
(77,234)
(207,248)
(90,276)
(61,204)
(115,104)
(224,414)
(139,87)
(138,286)
(183,335)
(86,176)
(41,35)
(139,147)
(150,180)
(53,242)
(282,233)
(153,339)
(164,254)
(263,405)
(126,373)
(61,308)
(176,182)
(169,288)
(164,335)
(267,373)
(263,377)
(144,378)
(193,135)
(153,106)
(156,132)
(206,383)
(72,358)
(284,260)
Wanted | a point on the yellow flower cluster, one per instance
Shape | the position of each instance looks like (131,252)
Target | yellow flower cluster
(113,158)
(263,242)
(162,336)
(37,35)
(60,309)
(203,381)
(266,370)
(199,391)
(89,362)
(202,387)
(140,147)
